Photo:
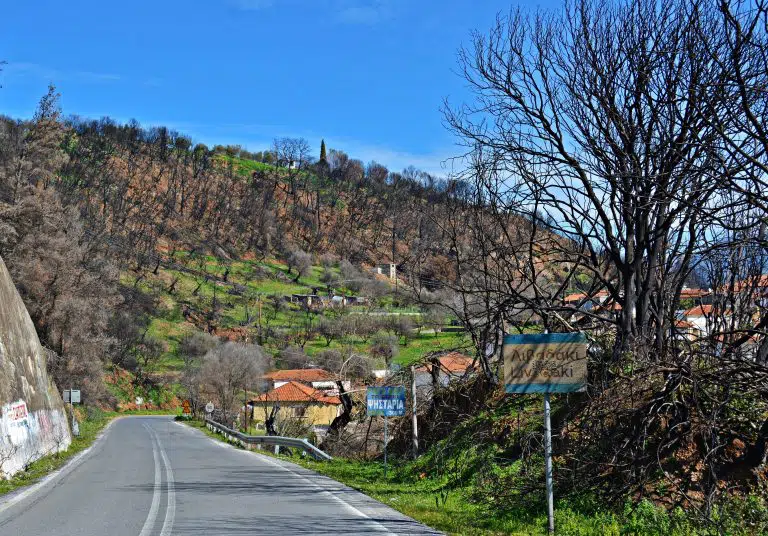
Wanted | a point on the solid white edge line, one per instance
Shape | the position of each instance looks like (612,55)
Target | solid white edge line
(353,509)
(61,472)
(149,523)
(359,513)
(170,511)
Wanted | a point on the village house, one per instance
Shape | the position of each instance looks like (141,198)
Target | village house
(388,270)
(453,365)
(315,378)
(293,400)
(306,299)
(584,302)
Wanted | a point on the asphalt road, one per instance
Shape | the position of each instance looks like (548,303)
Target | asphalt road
(152,476)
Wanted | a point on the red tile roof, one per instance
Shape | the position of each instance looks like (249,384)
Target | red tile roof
(699,310)
(453,362)
(579,296)
(693,293)
(297,392)
(612,306)
(300,375)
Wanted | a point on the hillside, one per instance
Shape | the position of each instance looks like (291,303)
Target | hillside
(249,300)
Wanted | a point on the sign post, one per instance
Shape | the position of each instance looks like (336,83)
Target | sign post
(72,396)
(546,363)
(386,402)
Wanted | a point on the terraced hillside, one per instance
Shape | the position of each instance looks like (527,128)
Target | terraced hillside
(259,301)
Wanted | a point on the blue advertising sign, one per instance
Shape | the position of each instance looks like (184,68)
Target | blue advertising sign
(545,363)
(386,401)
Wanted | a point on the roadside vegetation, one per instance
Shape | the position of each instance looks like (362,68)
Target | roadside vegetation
(615,176)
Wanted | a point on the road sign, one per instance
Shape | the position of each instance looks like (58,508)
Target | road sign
(186,408)
(386,401)
(545,363)
(209,407)
(71,396)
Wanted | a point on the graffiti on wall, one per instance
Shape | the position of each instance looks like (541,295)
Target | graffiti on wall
(26,436)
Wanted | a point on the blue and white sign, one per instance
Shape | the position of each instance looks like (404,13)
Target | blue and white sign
(386,401)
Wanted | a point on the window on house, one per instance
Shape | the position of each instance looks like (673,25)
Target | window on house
(299,411)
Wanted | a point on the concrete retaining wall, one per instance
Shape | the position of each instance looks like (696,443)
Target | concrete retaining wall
(33,422)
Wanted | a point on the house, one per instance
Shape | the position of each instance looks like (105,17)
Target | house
(387,269)
(705,318)
(586,302)
(358,300)
(453,366)
(295,400)
(316,378)
(687,330)
(694,293)
(306,299)
(338,301)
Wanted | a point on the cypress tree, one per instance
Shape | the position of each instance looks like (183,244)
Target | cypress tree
(322,150)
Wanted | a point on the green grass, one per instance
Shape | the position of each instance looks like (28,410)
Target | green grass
(452,512)
(256,280)
(89,430)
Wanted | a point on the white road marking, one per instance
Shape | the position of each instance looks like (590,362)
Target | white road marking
(170,511)
(152,515)
(378,526)
(70,466)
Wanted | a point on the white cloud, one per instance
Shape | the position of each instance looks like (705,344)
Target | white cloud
(36,70)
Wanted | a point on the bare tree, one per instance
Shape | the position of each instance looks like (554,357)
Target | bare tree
(231,369)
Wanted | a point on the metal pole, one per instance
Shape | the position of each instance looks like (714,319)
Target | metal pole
(548,465)
(415,419)
(385,445)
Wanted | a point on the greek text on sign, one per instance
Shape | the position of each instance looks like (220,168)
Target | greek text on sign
(15,411)
(386,401)
(545,363)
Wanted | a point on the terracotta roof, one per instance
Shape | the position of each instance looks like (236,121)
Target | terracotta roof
(296,392)
(612,306)
(699,310)
(300,375)
(684,324)
(693,293)
(749,284)
(453,362)
(579,296)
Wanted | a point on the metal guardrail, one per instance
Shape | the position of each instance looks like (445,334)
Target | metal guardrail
(276,441)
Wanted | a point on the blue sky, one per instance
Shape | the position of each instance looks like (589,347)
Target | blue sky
(369,76)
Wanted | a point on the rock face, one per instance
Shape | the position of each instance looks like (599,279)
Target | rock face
(33,422)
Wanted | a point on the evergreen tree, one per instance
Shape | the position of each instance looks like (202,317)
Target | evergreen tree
(322,151)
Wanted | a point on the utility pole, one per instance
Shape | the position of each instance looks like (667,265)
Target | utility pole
(385,445)
(259,306)
(415,419)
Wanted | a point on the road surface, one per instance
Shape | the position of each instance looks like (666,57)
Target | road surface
(152,476)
